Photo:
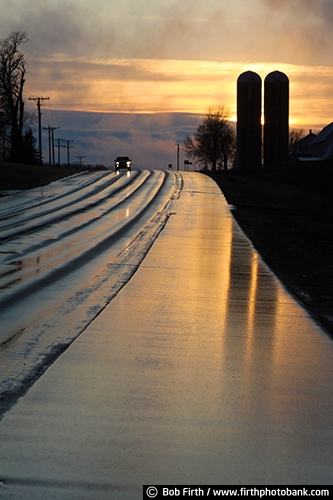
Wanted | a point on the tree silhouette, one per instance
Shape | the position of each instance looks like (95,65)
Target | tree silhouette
(213,144)
(30,153)
(295,135)
(12,74)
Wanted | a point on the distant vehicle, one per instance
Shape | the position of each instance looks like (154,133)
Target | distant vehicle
(122,162)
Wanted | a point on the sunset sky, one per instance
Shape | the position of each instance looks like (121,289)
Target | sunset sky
(146,56)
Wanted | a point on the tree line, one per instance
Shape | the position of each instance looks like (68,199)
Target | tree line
(17,143)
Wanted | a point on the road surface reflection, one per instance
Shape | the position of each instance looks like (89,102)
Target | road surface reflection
(201,370)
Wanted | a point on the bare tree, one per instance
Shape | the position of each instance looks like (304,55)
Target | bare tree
(12,78)
(213,143)
(295,134)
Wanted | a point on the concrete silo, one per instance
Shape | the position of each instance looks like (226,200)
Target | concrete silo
(276,125)
(248,121)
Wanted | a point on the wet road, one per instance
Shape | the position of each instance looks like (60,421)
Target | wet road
(66,250)
(201,370)
(53,239)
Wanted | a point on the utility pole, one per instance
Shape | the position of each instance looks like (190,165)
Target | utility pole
(68,148)
(51,143)
(52,132)
(49,130)
(80,159)
(177,156)
(58,140)
(39,100)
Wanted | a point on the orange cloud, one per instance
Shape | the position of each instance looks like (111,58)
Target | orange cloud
(151,86)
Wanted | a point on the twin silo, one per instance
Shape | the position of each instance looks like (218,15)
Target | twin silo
(276,120)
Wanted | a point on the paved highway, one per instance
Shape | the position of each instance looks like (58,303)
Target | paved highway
(191,365)
(59,244)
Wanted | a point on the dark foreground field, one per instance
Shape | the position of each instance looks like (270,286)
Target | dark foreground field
(288,215)
(17,176)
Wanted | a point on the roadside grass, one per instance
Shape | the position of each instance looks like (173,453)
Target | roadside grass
(18,176)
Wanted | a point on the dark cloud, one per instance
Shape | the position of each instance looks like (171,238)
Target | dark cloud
(303,29)
(184,29)
(294,31)
(316,8)
(121,134)
(62,27)
(149,139)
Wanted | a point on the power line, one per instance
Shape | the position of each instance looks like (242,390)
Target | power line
(50,113)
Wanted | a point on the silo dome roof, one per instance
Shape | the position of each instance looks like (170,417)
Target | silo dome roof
(276,76)
(249,76)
